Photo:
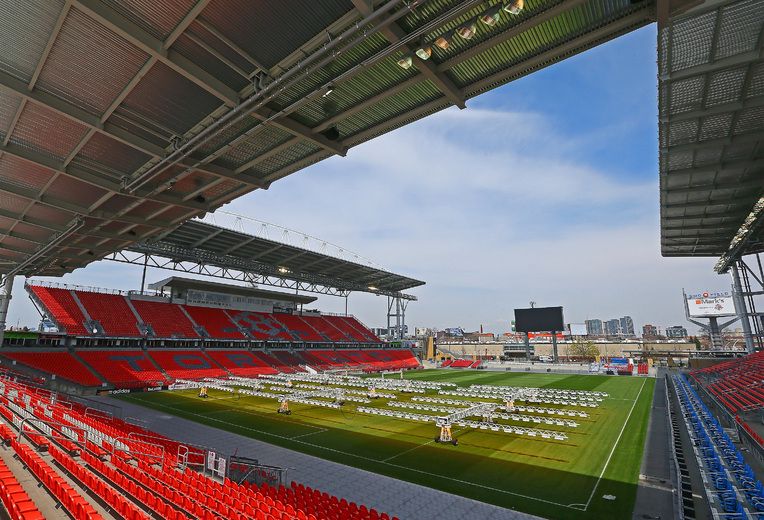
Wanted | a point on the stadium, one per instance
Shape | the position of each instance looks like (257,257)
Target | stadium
(224,390)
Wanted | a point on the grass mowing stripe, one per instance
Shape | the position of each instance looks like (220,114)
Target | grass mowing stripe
(615,445)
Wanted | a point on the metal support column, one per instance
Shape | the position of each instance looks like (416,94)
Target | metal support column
(143,276)
(742,308)
(5,300)
(554,347)
(396,308)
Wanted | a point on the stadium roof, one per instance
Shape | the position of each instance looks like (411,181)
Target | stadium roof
(711,109)
(121,119)
(261,260)
(203,285)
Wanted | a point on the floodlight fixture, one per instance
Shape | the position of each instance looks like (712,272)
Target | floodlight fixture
(467,31)
(405,62)
(443,42)
(514,6)
(492,16)
(424,52)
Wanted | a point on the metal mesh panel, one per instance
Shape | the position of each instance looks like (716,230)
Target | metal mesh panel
(9,104)
(686,94)
(726,86)
(24,31)
(708,155)
(750,120)
(17,172)
(371,82)
(388,108)
(738,152)
(191,182)
(679,160)
(42,130)
(12,203)
(227,135)
(170,99)
(32,231)
(157,18)
(288,156)
(528,43)
(663,42)
(282,26)
(740,28)
(683,132)
(49,214)
(107,155)
(219,190)
(691,41)
(89,65)
(715,126)
(756,87)
(266,138)
(74,191)
(208,62)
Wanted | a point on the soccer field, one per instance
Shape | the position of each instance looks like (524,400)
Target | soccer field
(550,478)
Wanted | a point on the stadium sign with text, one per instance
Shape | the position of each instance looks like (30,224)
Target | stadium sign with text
(707,304)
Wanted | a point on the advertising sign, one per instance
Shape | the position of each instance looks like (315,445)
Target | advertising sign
(708,304)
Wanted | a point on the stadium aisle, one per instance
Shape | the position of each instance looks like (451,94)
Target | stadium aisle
(403,499)
(655,494)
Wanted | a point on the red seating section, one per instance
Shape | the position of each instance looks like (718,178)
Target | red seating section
(215,322)
(325,329)
(361,328)
(286,362)
(62,307)
(187,364)
(461,363)
(299,328)
(63,364)
(72,501)
(135,369)
(738,384)
(130,480)
(14,498)
(167,319)
(351,334)
(124,368)
(112,311)
(241,362)
(263,326)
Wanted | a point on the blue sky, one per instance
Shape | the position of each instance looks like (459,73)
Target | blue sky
(545,189)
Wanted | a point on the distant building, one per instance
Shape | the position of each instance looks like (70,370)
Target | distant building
(627,327)
(594,328)
(613,327)
(676,332)
(649,331)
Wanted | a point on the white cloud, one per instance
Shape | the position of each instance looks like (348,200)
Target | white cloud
(491,209)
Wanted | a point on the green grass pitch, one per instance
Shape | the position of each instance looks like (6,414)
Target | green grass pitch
(545,477)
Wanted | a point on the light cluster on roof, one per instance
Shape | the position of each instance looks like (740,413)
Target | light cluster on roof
(490,17)
(742,234)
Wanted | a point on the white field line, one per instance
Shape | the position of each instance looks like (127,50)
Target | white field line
(322,430)
(615,445)
(353,455)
